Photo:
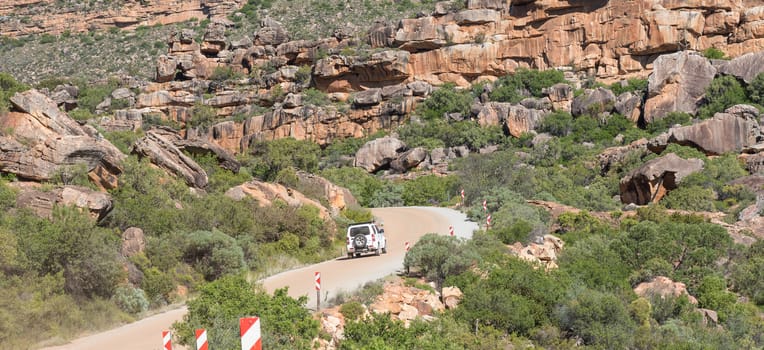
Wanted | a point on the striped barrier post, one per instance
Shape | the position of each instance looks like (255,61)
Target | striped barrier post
(451,230)
(317,281)
(250,333)
(201,339)
(166,340)
(406,245)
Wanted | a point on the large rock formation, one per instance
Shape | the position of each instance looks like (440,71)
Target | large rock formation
(31,196)
(745,67)
(654,179)
(265,193)
(677,84)
(735,129)
(45,142)
(55,17)
(377,154)
(159,148)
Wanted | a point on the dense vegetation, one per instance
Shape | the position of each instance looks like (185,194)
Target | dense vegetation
(65,274)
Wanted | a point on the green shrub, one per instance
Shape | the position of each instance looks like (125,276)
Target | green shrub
(437,257)
(315,97)
(8,87)
(558,123)
(748,273)
(714,53)
(202,115)
(352,310)
(285,322)
(756,89)
(47,39)
(693,198)
(446,99)
(222,73)
(131,300)
(524,83)
(599,318)
(658,126)
(513,296)
(213,254)
(633,84)
(270,158)
(724,91)
(428,190)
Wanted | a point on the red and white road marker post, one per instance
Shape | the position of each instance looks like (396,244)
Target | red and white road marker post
(451,230)
(250,333)
(166,340)
(488,222)
(406,245)
(201,339)
(317,279)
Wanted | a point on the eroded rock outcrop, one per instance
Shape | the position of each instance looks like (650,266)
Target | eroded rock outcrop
(46,142)
(677,84)
(377,154)
(157,145)
(265,193)
(735,129)
(41,202)
(654,179)
(663,287)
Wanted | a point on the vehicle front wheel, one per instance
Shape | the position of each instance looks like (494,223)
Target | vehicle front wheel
(384,250)
(376,252)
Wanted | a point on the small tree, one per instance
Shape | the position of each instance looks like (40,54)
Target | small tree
(438,257)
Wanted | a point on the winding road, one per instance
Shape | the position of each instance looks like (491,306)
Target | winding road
(338,275)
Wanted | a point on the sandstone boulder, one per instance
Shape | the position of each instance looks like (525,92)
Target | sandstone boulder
(520,120)
(745,67)
(731,131)
(266,193)
(654,179)
(561,96)
(338,197)
(366,98)
(409,159)
(214,39)
(610,157)
(271,33)
(593,102)
(377,154)
(677,84)
(544,253)
(628,105)
(65,96)
(133,242)
(164,154)
(452,296)
(30,196)
(663,287)
(46,141)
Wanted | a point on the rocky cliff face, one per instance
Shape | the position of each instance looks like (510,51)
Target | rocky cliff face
(25,17)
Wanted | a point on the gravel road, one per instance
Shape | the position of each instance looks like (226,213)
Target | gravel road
(338,275)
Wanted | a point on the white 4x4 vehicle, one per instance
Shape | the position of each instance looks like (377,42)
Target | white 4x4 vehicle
(365,237)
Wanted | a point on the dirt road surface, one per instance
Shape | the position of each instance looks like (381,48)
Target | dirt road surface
(338,275)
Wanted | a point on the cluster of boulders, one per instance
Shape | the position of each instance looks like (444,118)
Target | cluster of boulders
(401,302)
(543,253)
